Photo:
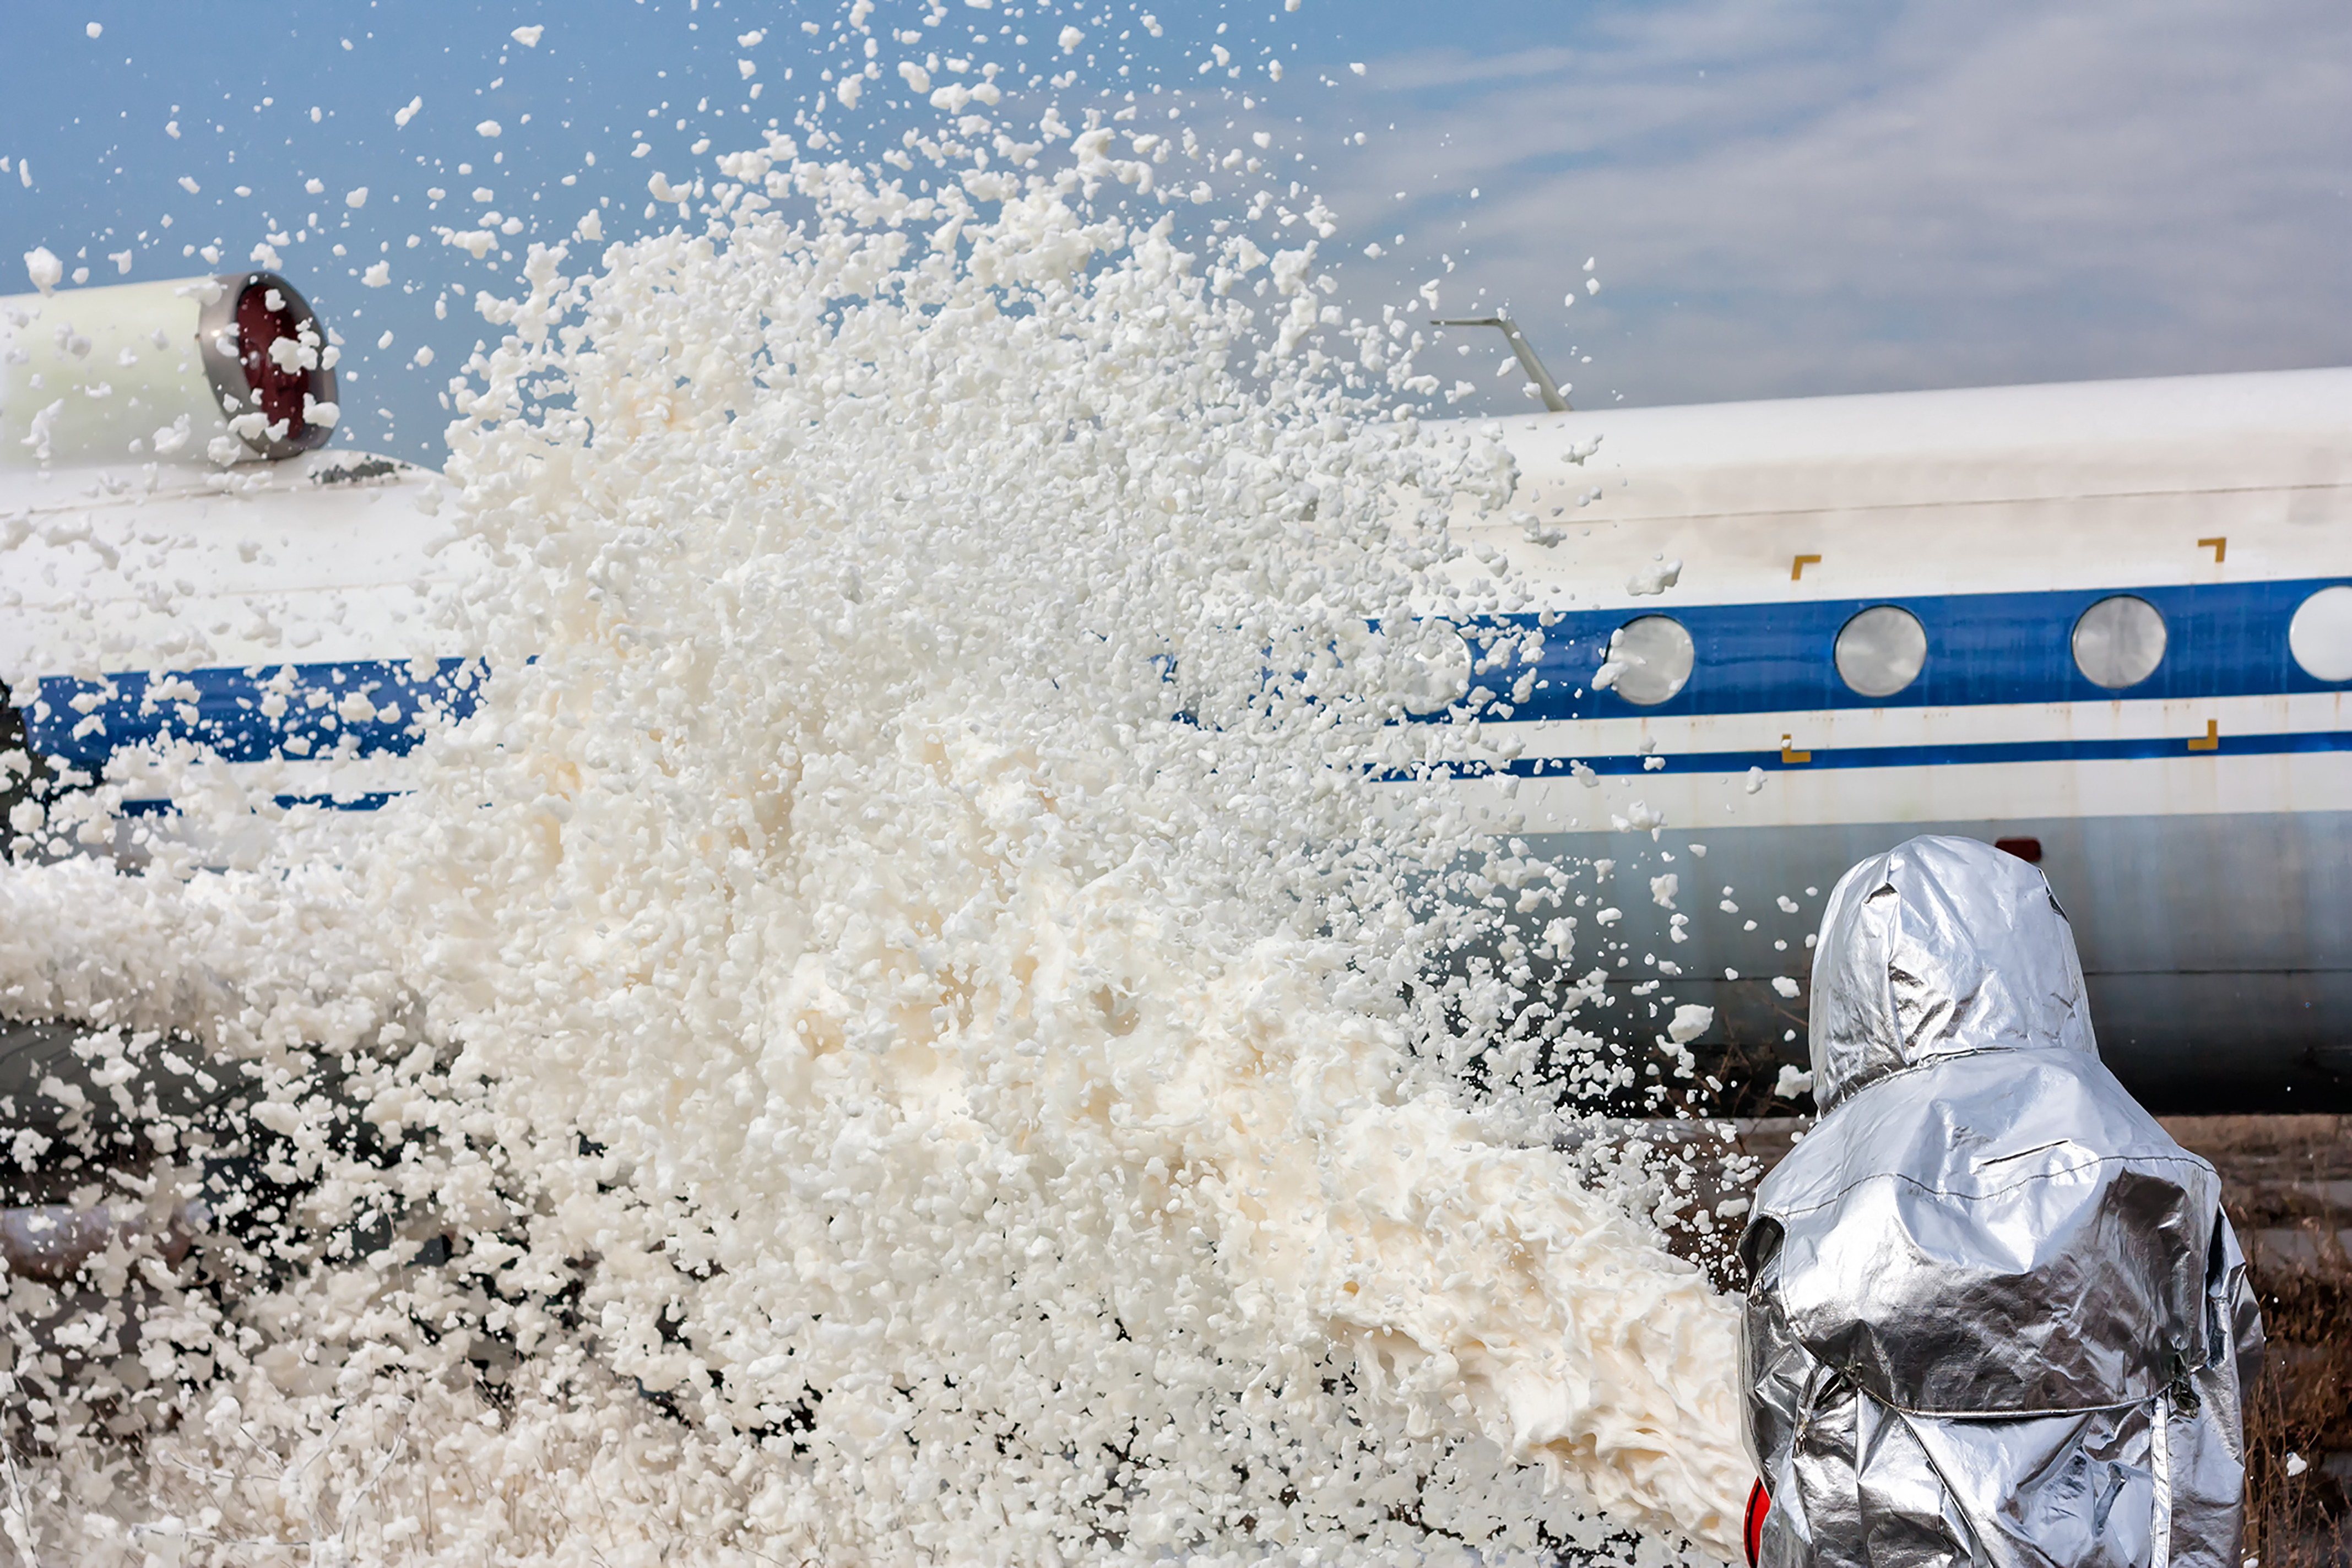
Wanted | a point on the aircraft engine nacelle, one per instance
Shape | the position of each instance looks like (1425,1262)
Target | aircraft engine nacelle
(208,370)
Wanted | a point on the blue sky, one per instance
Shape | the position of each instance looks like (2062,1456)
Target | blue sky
(1781,198)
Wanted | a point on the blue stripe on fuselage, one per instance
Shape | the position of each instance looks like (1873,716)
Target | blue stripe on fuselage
(1710,762)
(1983,649)
(373,800)
(228,711)
(2143,748)
(2227,639)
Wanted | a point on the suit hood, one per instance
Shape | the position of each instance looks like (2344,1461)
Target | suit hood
(1941,947)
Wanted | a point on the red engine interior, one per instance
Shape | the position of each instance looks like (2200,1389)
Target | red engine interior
(279,392)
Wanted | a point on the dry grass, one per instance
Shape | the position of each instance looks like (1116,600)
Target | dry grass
(2302,1404)
(2287,1184)
(2287,1181)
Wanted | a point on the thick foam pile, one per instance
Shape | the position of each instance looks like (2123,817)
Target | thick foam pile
(908,1026)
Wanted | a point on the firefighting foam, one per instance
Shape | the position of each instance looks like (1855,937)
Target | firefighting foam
(902,1024)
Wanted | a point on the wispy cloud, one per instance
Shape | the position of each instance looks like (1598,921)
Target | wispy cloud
(1793,199)
(1455,67)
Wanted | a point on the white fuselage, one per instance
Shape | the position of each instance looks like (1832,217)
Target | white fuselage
(2196,822)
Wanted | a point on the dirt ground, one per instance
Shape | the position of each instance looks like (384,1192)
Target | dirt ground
(2288,1184)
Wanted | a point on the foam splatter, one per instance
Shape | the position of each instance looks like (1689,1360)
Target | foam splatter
(912,1024)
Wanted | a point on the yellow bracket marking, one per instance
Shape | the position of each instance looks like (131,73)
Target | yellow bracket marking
(1797,569)
(2218,545)
(1789,756)
(2212,739)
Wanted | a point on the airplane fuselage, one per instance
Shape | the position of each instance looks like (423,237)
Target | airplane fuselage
(2107,625)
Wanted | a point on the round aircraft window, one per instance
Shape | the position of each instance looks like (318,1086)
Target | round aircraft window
(2320,635)
(1651,658)
(1880,650)
(2119,641)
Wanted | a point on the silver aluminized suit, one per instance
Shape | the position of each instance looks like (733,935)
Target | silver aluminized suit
(1995,1314)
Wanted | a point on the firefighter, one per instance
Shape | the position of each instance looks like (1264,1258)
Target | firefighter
(1995,1315)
